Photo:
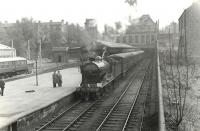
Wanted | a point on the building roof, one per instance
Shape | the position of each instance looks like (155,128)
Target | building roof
(5,47)
(144,19)
(114,45)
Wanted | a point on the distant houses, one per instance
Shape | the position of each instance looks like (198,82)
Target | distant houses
(142,31)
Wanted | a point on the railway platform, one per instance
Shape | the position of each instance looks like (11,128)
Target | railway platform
(22,97)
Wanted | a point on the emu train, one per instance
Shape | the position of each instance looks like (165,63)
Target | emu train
(100,74)
(14,65)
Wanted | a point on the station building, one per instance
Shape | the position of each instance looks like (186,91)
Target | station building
(6,51)
(142,31)
(189,29)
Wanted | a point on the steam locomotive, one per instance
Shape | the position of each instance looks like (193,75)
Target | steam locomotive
(99,74)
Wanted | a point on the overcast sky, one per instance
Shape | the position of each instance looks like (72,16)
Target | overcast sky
(104,11)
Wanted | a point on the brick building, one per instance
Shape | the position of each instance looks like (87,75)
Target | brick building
(142,31)
(189,29)
(50,31)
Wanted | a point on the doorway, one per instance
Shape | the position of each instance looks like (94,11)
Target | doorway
(59,59)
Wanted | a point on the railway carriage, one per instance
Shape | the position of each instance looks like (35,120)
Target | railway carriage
(98,75)
(14,65)
(126,60)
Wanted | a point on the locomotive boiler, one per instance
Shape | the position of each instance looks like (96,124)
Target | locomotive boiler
(94,75)
(94,72)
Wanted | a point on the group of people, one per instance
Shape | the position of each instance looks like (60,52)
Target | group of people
(2,85)
(57,79)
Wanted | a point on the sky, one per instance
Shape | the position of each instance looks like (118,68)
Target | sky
(104,11)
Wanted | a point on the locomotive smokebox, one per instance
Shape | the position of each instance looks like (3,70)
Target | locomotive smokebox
(94,71)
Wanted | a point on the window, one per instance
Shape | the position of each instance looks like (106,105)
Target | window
(152,38)
(124,39)
(147,39)
(130,39)
(118,39)
(142,39)
(136,39)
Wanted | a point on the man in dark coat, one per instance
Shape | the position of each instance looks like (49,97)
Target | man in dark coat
(59,79)
(2,86)
(55,79)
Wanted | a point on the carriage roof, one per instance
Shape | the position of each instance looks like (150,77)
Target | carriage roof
(12,59)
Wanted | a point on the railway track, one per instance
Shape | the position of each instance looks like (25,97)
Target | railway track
(134,121)
(66,118)
(120,117)
(73,117)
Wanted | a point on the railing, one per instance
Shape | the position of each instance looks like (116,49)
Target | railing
(161,119)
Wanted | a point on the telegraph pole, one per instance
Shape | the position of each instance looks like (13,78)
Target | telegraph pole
(40,52)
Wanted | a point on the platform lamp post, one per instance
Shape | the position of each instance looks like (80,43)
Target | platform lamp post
(36,74)
(36,66)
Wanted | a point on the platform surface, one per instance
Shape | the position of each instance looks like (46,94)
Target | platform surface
(16,103)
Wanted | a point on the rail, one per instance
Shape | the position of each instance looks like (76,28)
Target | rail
(161,119)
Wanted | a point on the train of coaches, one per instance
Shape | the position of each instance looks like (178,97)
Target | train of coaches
(14,65)
(99,74)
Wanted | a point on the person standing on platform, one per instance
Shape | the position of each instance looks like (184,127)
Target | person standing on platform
(2,85)
(55,79)
(59,79)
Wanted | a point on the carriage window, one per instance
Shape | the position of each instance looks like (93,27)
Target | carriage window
(17,62)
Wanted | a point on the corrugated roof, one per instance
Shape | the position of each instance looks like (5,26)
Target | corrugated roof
(114,45)
(12,59)
(5,47)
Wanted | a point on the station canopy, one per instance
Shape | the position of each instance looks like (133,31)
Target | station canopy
(126,55)
(114,45)
(60,49)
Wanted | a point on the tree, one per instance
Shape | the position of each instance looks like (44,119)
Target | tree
(24,34)
(15,34)
(78,35)
(4,38)
(118,26)
(178,74)
(108,33)
(131,2)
